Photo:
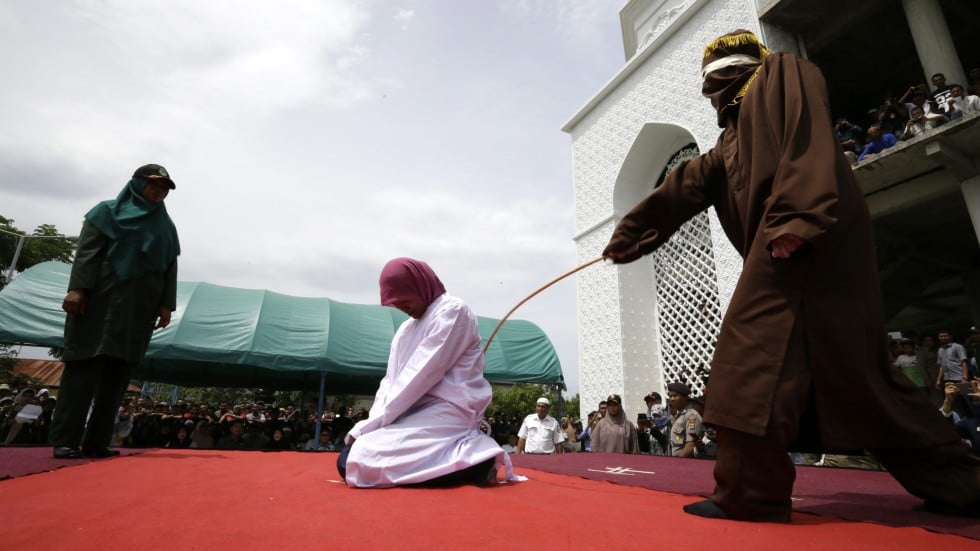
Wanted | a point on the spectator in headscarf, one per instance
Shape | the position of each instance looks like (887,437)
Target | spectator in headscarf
(280,440)
(201,438)
(181,438)
(614,433)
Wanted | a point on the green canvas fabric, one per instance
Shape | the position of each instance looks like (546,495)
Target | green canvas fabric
(224,336)
(118,312)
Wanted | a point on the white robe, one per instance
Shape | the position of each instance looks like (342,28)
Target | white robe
(426,416)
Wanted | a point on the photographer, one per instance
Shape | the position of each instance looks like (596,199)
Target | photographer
(707,448)
(920,123)
(968,427)
(959,105)
(919,96)
(851,138)
(889,117)
(15,418)
(651,440)
(123,426)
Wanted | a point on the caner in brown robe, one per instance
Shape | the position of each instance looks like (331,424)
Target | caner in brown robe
(802,355)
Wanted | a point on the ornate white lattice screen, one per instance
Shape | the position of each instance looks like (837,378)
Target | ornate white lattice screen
(688,309)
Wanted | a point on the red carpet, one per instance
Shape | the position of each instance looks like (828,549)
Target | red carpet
(207,499)
(845,493)
(20,461)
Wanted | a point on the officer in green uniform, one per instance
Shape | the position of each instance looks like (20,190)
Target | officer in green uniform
(123,285)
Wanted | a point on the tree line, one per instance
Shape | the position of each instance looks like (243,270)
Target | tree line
(43,244)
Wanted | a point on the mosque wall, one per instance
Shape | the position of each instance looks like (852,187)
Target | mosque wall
(633,334)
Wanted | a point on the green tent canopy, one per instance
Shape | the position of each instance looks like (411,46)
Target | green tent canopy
(228,337)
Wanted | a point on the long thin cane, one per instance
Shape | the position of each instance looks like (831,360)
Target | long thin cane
(549,284)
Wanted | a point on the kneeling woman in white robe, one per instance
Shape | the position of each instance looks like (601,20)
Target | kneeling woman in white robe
(424,426)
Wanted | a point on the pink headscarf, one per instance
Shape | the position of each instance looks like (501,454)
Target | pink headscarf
(406,279)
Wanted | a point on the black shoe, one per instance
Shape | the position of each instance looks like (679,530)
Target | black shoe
(706,508)
(710,509)
(489,475)
(62,452)
(100,452)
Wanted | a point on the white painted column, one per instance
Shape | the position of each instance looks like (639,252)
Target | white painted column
(600,338)
(971,196)
(933,41)
(642,368)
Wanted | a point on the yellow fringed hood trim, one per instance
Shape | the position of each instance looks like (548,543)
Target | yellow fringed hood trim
(730,41)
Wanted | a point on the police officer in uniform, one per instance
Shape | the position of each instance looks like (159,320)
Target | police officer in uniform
(686,429)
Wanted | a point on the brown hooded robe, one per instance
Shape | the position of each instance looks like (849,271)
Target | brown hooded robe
(802,350)
(777,168)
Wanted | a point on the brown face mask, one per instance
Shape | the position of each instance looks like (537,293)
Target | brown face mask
(723,87)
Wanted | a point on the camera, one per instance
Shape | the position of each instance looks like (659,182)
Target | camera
(964,389)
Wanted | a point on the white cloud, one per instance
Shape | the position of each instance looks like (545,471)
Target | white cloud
(404,17)
(126,76)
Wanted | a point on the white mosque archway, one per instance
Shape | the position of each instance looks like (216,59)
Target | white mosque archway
(654,146)
(669,303)
(661,313)
(653,321)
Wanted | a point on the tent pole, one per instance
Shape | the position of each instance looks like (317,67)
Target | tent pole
(13,263)
(561,402)
(319,412)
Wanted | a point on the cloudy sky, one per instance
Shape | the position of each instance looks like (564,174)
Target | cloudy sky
(311,141)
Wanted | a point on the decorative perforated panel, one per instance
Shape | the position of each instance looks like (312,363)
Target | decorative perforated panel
(688,306)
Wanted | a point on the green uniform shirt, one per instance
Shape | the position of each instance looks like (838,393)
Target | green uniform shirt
(119,314)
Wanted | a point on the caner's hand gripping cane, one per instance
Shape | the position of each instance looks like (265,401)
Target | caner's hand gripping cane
(549,284)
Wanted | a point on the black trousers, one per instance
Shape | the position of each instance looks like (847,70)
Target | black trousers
(98,382)
(754,475)
(476,474)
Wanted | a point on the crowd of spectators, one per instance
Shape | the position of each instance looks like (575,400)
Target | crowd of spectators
(662,430)
(143,423)
(251,426)
(918,111)
(25,415)
(945,370)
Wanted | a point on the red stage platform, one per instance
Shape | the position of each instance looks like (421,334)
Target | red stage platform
(184,499)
